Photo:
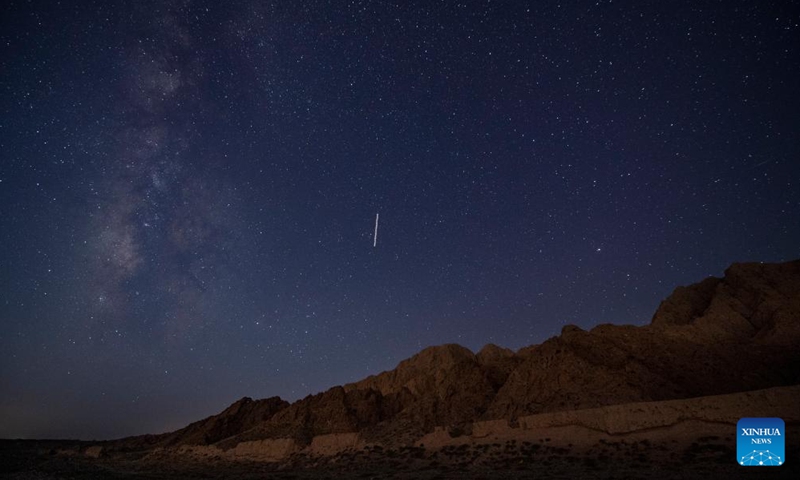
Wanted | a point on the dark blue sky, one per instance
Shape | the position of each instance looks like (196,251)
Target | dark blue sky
(188,189)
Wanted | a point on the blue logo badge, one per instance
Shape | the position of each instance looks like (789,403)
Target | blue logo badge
(760,442)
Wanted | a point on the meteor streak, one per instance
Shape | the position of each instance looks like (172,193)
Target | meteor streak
(375,237)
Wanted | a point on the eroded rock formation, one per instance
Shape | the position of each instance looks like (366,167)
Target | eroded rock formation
(720,336)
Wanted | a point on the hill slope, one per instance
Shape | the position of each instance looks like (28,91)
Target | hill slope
(722,335)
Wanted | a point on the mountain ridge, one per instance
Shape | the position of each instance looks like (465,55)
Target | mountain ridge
(718,336)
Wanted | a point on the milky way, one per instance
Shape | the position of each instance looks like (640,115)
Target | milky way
(188,190)
(162,228)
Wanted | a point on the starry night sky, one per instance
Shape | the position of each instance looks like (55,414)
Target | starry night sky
(188,189)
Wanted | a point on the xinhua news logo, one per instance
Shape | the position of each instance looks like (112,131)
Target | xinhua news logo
(760,442)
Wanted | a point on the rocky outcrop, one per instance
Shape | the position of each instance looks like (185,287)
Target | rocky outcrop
(333,411)
(243,415)
(720,336)
(754,301)
(497,364)
(424,371)
(240,416)
(444,386)
(441,385)
(737,333)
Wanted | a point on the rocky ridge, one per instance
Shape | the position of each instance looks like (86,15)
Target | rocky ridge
(720,336)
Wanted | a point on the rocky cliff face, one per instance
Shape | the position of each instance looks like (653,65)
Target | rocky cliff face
(754,301)
(722,335)
(243,415)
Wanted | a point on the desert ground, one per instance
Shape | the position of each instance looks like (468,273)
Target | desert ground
(706,457)
(679,439)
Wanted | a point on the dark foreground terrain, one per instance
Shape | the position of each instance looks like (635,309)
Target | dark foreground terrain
(706,457)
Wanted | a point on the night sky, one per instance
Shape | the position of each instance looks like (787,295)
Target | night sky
(188,190)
